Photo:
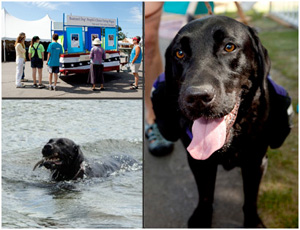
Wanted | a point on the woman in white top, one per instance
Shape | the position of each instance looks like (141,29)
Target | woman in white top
(20,59)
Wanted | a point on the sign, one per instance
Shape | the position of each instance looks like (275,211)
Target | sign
(111,40)
(75,40)
(90,21)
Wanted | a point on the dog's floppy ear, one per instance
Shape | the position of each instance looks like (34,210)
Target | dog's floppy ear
(170,73)
(77,149)
(263,60)
(165,101)
(78,153)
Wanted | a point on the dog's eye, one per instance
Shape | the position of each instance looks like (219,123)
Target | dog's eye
(229,47)
(179,54)
(59,142)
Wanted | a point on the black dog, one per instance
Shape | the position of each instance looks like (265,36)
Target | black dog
(66,161)
(217,97)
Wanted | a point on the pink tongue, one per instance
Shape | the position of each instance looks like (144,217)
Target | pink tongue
(208,137)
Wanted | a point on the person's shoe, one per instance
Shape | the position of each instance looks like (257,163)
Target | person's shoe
(54,88)
(20,86)
(50,87)
(34,86)
(134,87)
(41,86)
(24,80)
(158,145)
(102,88)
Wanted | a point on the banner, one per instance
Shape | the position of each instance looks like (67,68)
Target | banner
(74,40)
(92,33)
(90,21)
(110,39)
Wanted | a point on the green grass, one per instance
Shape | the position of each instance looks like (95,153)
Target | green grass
(283,50)
(278,195)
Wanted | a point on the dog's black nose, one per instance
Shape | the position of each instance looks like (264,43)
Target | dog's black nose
(47,150)
(199,95)
(48,147)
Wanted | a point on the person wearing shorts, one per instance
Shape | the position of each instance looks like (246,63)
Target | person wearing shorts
(54,51)
(36,57)
(135,60)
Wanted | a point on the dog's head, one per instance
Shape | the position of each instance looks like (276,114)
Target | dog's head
(63,157)
(212,65)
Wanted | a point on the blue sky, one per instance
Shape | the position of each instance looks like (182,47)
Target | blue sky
(129,14)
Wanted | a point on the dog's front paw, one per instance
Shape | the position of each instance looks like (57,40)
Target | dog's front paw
(202,217)
(254,222)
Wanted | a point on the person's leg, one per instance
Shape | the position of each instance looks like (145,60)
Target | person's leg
(34,76)
(50,80)
(23,75)
(101,77)
(19,71)
(55,79)
(153,68)
(136,79)
(153,62)
(40,72)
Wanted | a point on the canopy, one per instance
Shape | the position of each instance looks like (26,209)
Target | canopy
(12,26)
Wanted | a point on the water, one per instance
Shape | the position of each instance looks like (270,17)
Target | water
(102,128)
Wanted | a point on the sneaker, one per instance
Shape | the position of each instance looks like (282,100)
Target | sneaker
(50,87)
(134,87)
(158,145)
(20,86)
(24,80)
(54,87)
(41,86)
(34,86)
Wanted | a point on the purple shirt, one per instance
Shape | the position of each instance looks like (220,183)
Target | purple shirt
(97,55)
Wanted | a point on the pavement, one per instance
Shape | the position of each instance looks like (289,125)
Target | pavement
(170,192)
(117,85)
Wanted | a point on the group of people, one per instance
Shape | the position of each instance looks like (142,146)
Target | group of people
(36,57)
(97,56)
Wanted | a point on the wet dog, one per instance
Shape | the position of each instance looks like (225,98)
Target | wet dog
(216,97)
(66,161)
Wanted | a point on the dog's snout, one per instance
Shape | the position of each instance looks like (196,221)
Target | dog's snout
(47,150)
(48,147)
(200,95)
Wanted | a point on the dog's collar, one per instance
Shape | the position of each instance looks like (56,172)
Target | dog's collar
(82,168)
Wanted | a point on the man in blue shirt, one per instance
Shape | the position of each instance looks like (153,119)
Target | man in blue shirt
(54,51)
